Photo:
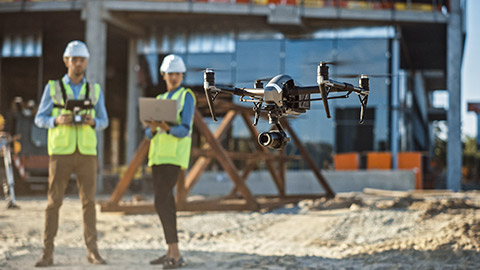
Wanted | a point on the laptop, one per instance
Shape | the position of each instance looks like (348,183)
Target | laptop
(158,110)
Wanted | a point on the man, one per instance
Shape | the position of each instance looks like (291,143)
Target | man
(7,143)
(169,153)
(72,146)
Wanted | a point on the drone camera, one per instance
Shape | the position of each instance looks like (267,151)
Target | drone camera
(273,139)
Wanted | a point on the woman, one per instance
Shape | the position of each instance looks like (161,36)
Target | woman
(169,153)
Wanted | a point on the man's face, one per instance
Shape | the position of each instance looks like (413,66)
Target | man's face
(173,80)
(76,65)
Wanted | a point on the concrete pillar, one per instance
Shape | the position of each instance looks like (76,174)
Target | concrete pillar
(96,38)
(132,101)
(454,62)
(478,131)
(394,97)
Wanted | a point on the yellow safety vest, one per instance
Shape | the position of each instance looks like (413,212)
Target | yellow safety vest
(166,148)
(65,139)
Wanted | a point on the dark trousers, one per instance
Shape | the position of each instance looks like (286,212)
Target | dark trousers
(164,179)
(60,169)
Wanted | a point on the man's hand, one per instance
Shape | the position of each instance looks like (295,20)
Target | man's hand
(63,119)
(89,120)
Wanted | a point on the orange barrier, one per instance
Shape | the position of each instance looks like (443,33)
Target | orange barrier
(379,161)
(346,161)
(382,161)
(412,161)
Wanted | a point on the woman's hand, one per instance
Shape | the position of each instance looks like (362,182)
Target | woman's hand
(153,125)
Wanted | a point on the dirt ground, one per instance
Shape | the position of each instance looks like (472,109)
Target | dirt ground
(352,231)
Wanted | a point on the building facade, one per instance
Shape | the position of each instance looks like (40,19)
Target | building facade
(401,44)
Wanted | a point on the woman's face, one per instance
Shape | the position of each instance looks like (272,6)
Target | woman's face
(173,80)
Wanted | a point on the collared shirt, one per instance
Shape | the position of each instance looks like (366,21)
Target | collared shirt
(186,114)
(44,118)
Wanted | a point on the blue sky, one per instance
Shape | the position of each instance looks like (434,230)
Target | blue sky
(471,68)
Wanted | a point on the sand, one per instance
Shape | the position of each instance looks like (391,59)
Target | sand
(353,231)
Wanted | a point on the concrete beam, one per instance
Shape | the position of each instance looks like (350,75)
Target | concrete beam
(42,6)
(329,13)
(305,182)
(381,15)
(286,15)
(266,10)
(124,24)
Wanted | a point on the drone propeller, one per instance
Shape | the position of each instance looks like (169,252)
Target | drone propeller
(264,79)
(353,76)
(335,62)
(200,69)
(330,63)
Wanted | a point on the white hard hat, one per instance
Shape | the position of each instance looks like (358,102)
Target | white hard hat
(76,48)
(173,64)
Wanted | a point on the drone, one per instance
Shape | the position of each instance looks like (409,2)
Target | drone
(281,97)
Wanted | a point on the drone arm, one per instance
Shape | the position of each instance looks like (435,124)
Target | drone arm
(303,90)
(252,92)
(362,92)
(344,87)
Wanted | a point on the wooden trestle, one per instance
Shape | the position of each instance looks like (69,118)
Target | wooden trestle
(240,198)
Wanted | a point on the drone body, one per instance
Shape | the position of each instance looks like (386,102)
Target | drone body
(282,97)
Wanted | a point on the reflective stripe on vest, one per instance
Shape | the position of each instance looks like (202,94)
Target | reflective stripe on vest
(166,148)
(64,139)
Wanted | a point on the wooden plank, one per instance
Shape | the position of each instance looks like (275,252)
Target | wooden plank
(282,167)
(207,205)
(308,159)
(138,208)
(225,161)
(270,166)
(265,202)
(259,155)
(384,192)
(202,162)
(136,162)
(251,165)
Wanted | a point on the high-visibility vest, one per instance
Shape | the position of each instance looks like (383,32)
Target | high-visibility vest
(65,139)
(166,148)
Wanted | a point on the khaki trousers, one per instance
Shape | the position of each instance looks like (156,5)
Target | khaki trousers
(60,169)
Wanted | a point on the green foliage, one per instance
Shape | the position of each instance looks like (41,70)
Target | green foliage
(470,147)
(440,152)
